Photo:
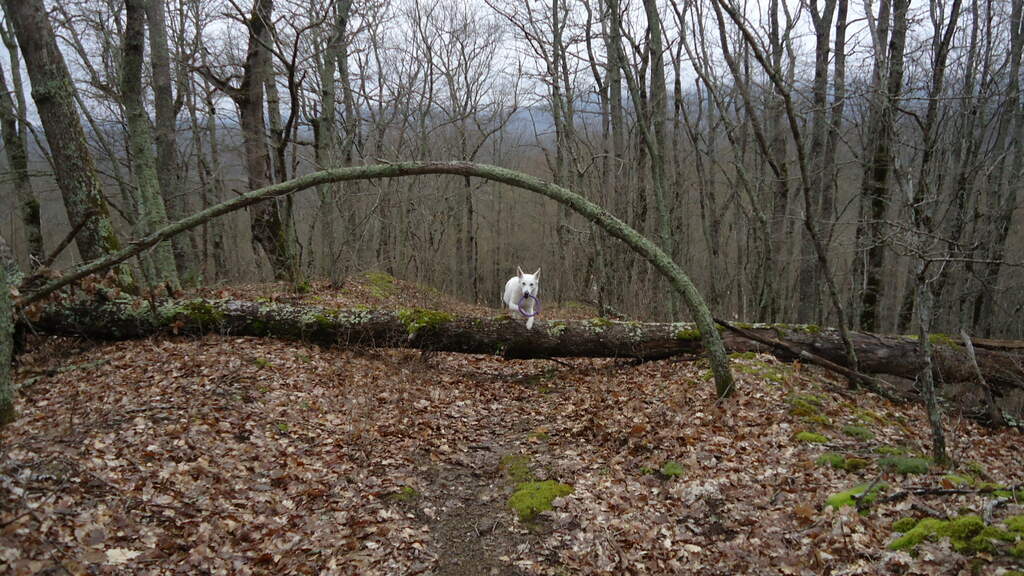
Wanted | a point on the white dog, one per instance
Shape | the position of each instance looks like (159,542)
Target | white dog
(519,287)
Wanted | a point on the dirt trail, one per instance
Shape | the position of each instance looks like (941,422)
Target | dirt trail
(464,499)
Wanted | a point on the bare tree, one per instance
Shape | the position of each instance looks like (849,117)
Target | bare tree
(13,124)
(54,94)
(159,265)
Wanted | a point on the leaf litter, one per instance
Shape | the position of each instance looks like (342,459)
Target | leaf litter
(226,455)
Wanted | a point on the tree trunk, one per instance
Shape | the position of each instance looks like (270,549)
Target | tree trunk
(268,227)
(875,187)
(186,248)
(7,414)
(53,92)
(1002,188)
(998,361)
(821,176)
(327,138)
(16,149)
(159,264)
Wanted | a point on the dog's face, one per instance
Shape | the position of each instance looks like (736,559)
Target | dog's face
(529,283)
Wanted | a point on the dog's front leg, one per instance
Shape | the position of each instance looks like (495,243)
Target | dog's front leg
(529,322)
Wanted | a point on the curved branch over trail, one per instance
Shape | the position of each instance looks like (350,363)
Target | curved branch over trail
(609,223)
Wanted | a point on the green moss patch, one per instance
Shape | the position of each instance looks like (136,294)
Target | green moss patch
(415,319)
(556,328)
(858,432)
(689,334)
(762,370)
(942,339)
(841,462)
(869,417)
(804,404)
(891,450)
(202,312)
(967,534)
(671,469)
(958,480)
(819,419)
(517,468)
(405,494)
(1015,524)
(905,464)
(810,437)
(532,498)
(857,494)
(382,284)
(904,525)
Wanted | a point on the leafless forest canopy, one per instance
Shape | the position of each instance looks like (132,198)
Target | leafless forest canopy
(800,160)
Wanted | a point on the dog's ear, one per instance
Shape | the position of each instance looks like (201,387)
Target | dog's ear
(519,269)
(537,273)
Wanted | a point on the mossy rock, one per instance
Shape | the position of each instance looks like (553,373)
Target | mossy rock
(671,469)
(743,355)
(810,437)
(858,432)
(532,498)
(905,464)
(516,467)
(415,319)
(857,494)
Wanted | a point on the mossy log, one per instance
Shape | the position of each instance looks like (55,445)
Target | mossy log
(1001,362)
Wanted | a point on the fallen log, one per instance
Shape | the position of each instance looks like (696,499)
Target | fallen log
(1000,363)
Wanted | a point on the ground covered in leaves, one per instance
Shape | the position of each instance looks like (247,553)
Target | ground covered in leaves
(227,455)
